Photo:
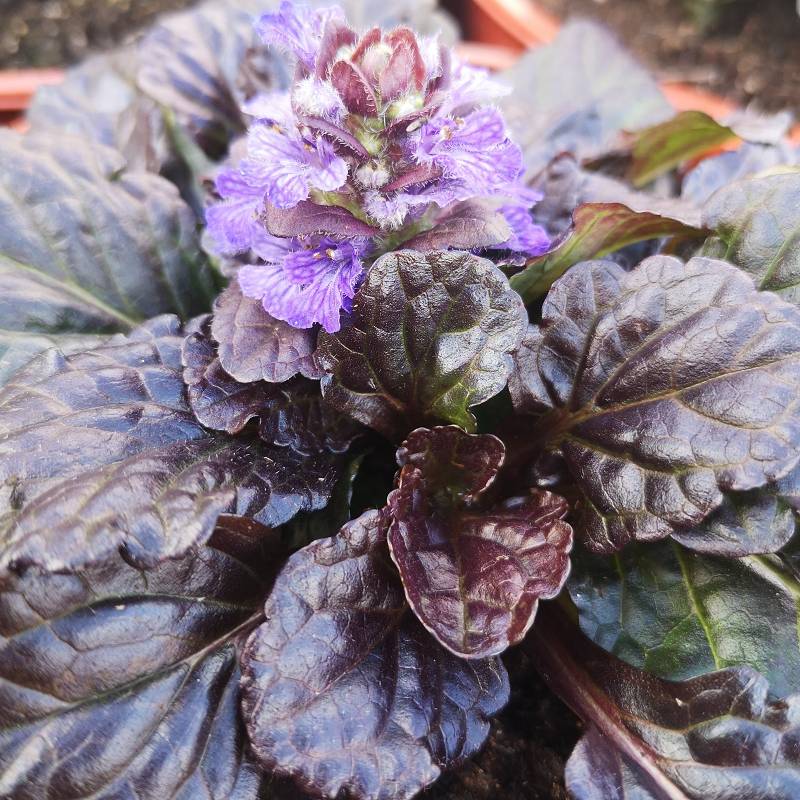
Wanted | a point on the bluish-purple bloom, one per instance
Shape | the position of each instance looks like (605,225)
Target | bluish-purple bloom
(389,127)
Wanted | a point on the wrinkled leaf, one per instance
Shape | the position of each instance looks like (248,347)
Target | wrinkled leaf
(467,226)
(680,614)
(118,683)
(597,230)
(473,576)
(661,148)
(344,691)
(219,401)
(668,385)
(18,348)
(100,452)
(429,337)
(253,346)
(759,228)
(576,94)
(84,235)
(719,735)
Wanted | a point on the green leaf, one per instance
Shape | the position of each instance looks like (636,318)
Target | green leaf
(680,614)
(758,226)
(597,230)
(663,147)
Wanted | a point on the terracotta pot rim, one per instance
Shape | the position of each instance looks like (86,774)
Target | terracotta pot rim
(519,24)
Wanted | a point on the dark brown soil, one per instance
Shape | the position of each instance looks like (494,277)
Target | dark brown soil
(526,752)
(53,33)
(751,54)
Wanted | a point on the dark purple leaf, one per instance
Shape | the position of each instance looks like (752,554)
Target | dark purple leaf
(354,89)
(597,230)
(98,101)
(429,337)
(467,226)
(473,576)
(717,736)
(344,691)
(89,245)
(307,218)
(119,683)
(100,452)
(756,221)
(219,401)
(452,463)
(563,102)
(668,386)
(253,346)
(202,64)
(300,418)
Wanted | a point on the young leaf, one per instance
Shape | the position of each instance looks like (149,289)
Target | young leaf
(429,337)
(468,226)
(344,691)
(564,103)
(756,220)
(307,218)
(668,385)
(117,681)
(99,451)
(253,346)
(663,147)
(597,230)
(720,735)
(680,614)
(473,577)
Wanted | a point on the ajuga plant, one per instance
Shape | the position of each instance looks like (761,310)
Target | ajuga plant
(331,368)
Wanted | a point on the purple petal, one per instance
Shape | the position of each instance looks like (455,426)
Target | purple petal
(528,238)
(275,107)
(469,88)
(297,30)
(233,222)
(329,171)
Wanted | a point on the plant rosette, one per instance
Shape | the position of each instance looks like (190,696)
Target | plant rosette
(332,367)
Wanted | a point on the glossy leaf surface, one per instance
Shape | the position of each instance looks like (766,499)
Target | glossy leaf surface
(100,451)
(756,220)
(670,385)
(90,246)
(472,575)
(345,691)
(597,230)
(720,735)
(119,683)
(253,346)
(679,614)
(429,337)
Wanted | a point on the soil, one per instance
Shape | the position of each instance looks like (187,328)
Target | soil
(752,54)
(54,33)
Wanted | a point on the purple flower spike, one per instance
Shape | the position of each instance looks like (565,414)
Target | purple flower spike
(383,140)
(310,284)
(297,30)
